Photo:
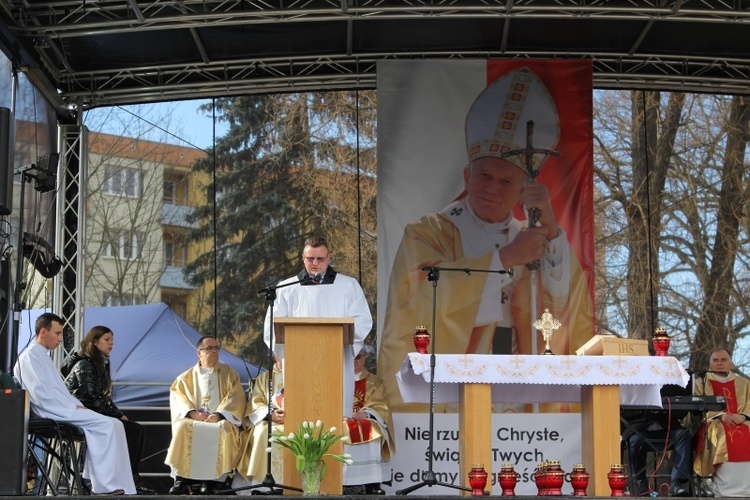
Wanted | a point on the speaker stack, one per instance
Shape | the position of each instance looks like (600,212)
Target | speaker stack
(14,425)
(7,147)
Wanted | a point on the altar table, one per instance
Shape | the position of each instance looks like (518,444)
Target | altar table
(600,383)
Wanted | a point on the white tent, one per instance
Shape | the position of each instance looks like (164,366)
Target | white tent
(153,345)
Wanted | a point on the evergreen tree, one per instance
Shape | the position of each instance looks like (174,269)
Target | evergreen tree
(283,172)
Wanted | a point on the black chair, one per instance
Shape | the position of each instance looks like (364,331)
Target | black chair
(658,464)
(54,449)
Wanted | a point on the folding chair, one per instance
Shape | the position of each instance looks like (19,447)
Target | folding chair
(55,449)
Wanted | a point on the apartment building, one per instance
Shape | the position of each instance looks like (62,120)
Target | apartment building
(138,196)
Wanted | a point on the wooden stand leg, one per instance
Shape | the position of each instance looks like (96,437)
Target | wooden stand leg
(475,431)
(600,434)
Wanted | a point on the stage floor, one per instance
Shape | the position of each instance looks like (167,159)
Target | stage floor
(326,497)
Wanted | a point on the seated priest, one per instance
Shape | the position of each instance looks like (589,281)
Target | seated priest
(369,430)
(207,405)
(252,467)
(723,442)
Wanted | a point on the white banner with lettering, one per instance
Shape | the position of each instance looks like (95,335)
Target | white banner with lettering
(523,440)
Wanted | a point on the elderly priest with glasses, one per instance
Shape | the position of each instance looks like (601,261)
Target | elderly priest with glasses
(207,404)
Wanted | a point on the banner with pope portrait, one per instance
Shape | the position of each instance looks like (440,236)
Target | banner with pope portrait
(511,121)
(442,242)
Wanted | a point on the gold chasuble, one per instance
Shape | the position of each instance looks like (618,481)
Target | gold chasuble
(370,397)
(201,450)
(253,463)
(725,442)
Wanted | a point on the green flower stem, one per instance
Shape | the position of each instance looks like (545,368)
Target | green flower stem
(310,444)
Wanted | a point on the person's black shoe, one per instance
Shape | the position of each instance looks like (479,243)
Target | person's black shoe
(181,487)
(210,487)
(140,489)
(355,489)
(144,490)
(678,490)
(374,489)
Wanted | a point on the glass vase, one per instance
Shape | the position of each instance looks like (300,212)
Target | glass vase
(311,475)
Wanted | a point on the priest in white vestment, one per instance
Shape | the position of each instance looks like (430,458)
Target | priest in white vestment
(723,441)
(207,405)
(323,293)
(369,431)
(107,463)
(253,464)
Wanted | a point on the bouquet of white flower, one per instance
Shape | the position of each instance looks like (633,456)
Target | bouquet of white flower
(310,444)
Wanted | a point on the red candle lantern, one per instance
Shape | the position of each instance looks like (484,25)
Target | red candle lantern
(421,340)
(508,478)
(617,480)
(579,480)
(540,478)
(477,480)
(555,478)
(661,342)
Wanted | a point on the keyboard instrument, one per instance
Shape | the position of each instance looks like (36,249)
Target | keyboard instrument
(684,403)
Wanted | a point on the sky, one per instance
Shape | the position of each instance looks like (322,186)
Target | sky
(177,122)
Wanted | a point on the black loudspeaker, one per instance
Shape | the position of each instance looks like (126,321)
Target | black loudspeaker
(14,426)
(7,147)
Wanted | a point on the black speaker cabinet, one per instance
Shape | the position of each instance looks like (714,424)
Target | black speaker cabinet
(7,153)
(14,425)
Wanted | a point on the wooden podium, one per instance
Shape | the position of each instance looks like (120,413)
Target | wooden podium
(313,384)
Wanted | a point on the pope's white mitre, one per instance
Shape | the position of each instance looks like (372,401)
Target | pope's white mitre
(496,122)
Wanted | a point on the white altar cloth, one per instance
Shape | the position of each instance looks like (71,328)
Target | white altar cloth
(539,378)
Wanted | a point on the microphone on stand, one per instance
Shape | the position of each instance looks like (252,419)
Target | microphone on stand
(317,278)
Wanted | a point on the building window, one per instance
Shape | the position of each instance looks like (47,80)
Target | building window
(124,244)
(125,299)
(169,191)
(121,181)
(175,250)
(168,252)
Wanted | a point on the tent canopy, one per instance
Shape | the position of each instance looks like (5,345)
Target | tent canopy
(153,345)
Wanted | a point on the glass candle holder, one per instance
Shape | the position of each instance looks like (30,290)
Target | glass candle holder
(421,340)
(661,342)
(579,480)
(477,480)
(508,478)
(617,480)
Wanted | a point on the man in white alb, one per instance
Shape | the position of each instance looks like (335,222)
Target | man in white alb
(107,463)
(324,293)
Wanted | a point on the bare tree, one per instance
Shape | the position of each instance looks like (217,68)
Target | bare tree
(124,254)
(715,326)
(672,182)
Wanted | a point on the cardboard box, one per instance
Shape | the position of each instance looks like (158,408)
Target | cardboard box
(609,345)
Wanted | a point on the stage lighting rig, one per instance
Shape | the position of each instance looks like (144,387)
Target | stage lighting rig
(44,172)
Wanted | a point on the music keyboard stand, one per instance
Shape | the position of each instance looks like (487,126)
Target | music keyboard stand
(635,420)
(652,461)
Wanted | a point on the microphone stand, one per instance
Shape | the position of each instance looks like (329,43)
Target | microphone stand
(704,423)
(429,478)
(269,293)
